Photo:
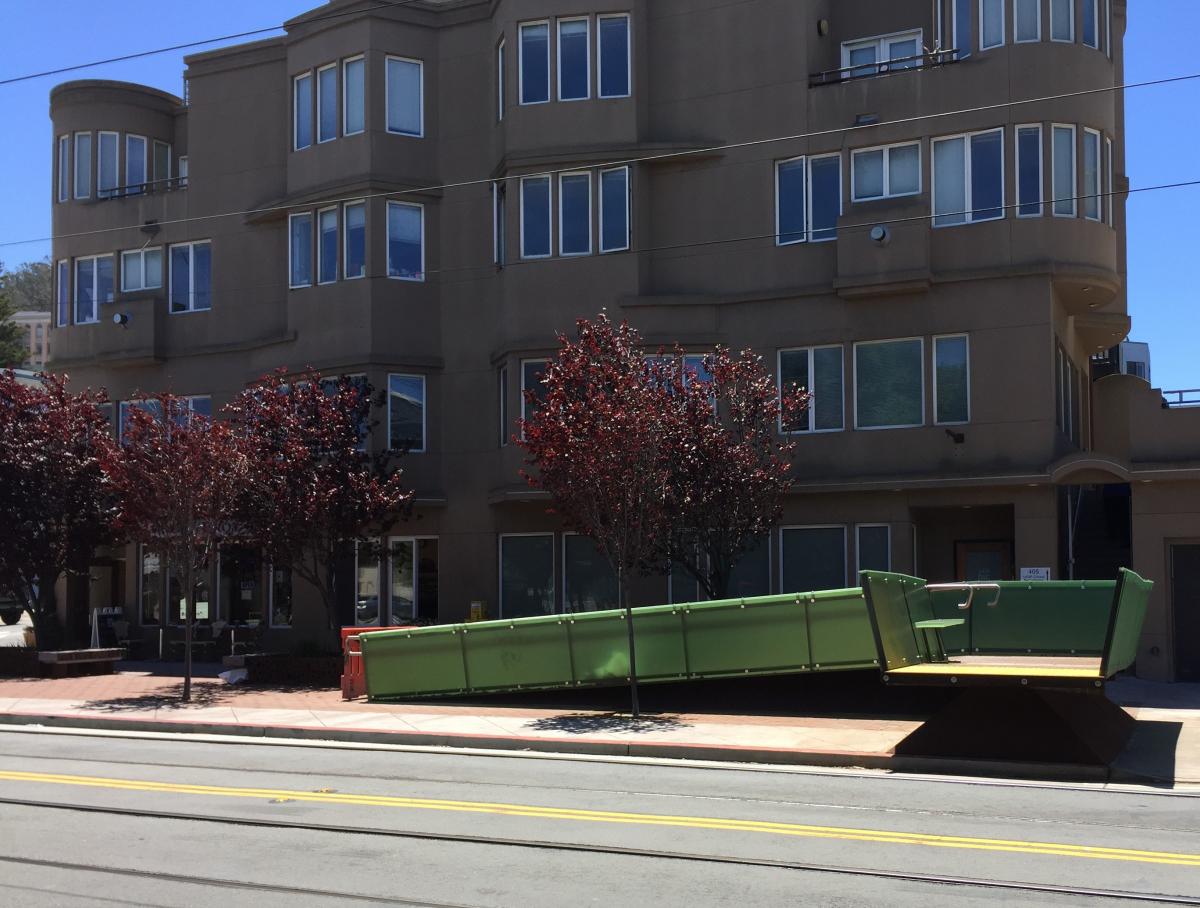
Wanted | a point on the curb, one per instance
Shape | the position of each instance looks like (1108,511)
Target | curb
(727,753)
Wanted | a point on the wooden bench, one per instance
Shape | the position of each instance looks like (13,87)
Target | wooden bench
(70,663)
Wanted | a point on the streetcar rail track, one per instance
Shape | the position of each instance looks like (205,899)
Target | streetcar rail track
(586,848)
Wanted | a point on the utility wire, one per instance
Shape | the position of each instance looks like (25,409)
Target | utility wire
(384,4)
(660,156)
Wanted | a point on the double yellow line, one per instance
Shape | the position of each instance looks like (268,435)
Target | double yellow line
(881,836)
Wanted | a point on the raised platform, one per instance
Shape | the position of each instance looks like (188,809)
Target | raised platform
(1000,671)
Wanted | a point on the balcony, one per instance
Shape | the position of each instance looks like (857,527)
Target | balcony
(884,68)
(1179,400)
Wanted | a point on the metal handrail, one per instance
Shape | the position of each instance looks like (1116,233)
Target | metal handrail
(882,68)
(149,187)
(970,588)
(1188,397)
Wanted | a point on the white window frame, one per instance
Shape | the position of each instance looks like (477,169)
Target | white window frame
(417,574)
(524,403)
(129,183)
(956,9)
(296,80)
(1097,189)
(858,528)
(955,336)
(1099,25)
(420,207)
(346,131)
(817,526)
(161,183)
(192,244)
(1074,192)
(102,193)
(59,288)
(424,411)
(1003,31)
(887,177)
(345,230)
(628,55)
(387,97)
(1071,5)
(809,413)
(1110,196)
(1108,28)
(970,209)
(90,164)
(554,604)
(587,50)
(320,240)
(320,96)
(96,301)
(854,388)
(291,251)
(62,149)
(779,240)
(881,42)
(628,209)
(499,216)
(501,55)
(809,229)
(1041,195)
(561,221)
(1017,39)
(521,63)
(549,212)
(183,171)
(141,260)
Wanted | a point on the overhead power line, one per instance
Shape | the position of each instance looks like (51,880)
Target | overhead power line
(619,162)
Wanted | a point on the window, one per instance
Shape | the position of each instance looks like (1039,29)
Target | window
(1091,175)
(880,173)
(141,270)
(819,371)
(135,164)
(1091,23)
(327,248)
(1064,171)
(280,591)
(93,287)
(150,591)
(968,178)
(107,171)
(354,264)
(1027,20)
(413,573)
(1062,20)
(368,583)
(889,384)
(614,209)
(991,24)
(64,168)
(354,92)
(302,103)
(589,582)
(535,63)
(808,199)
(153,407)
(500,80)
(574,213)
(962,27)
(502,401)
(751,576)
(300,250)
(405,97)
(63,299)
(526,575)
(1108,28)
(83,165)
(574,60)
(1109,198)
(191,277)
(406,241)
(872,56)
(531,380)
(406,413)
(616,73)
(162,165)
(183,172)
(812,558)
(873,547)
(535,217)
(951,380)
(499,223)
(1029,171)
(327,115)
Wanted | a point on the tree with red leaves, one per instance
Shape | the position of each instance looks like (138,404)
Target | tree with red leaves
(730,469)
(180,476)
(315,489)
(56,501)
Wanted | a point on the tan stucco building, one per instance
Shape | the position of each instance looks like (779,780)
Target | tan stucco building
(425,194)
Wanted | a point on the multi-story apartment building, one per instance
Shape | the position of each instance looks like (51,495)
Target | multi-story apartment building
(914,208)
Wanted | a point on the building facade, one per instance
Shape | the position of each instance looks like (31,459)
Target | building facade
(915,209)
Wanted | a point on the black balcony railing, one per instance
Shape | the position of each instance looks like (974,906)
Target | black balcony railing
(1189,397)
(882,68)
(174,184)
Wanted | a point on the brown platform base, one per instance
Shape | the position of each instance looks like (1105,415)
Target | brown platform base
(76,662)
(1023,724)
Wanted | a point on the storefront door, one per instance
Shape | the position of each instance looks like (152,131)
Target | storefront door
(1185,608)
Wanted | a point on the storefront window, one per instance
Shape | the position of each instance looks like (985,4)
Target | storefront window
(241,579)
(527,575)
(152,587)
(367,589)
(281,597)
(590,584)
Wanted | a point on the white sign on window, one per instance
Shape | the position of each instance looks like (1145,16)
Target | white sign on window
(1035,573)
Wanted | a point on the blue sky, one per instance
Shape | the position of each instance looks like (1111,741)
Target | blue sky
(1163,131)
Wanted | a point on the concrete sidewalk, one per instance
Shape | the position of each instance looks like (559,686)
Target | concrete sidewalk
(1165,747)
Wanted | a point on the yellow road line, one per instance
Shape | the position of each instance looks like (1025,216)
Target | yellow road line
(884,836)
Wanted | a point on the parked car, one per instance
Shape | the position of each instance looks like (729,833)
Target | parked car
(10,611)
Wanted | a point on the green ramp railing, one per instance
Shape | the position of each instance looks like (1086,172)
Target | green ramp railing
(768,635)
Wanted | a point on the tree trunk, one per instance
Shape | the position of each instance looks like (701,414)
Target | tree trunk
(188,622)
(623,595)
(44,613)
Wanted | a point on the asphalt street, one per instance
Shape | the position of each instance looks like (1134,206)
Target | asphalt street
(91,819)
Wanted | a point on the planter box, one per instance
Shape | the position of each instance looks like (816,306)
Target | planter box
(19,662)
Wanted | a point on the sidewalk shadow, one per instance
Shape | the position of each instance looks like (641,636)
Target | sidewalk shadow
(166,697)
(578,724)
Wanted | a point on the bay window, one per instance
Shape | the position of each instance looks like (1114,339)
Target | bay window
(1027,20)
(83,165)
(888,172)
(191,277)
(968,178)
(889,384)
(300,249)
(64,168)
(574,59)
(354,241)
(614,209)
(327,117)
(162,165)
(406,413)
(1064,171)
(302,111)
(991,24)
(141,269)
(353,96)
(1029,171)
(535,217)
(819,371)
(535,63)
(63,290)
(1062,20)
(615,69)
(406,241)
(575,213)
(93,287)
(327,245)
(405,97)
(808,199)
(1091,175)
(107,173)
(135,164)
(1091,23)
